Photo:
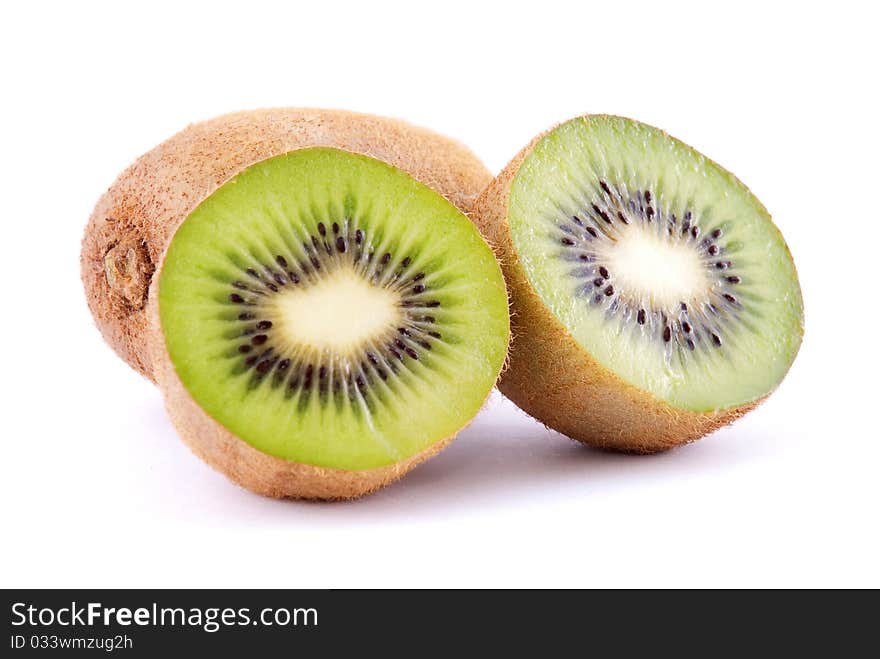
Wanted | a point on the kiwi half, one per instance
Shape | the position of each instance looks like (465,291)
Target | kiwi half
(323,322)
(133,221)
(653,300)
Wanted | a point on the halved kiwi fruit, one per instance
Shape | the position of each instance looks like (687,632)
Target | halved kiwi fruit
(133,222)
(323,322)
(653,299)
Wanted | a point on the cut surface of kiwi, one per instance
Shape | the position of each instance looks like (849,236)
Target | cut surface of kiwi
(650,289)
(660,263)
(327,309)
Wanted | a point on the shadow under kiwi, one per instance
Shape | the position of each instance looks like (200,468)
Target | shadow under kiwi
(504,456)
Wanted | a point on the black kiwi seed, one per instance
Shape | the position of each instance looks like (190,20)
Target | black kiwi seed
(641,317)
(716,339)
(336,227)
(667,334)
(605,187)
(322,230)
(567,241)
(609,291)
(603,271)
(236,298)
(246,316)
(733,279)
(418,288)
(259,339)
(686,326)
(598,281)
(717,234)
(713,249)
(592,232)
(340,243)
(648,196)
(239,285)
(244,349)
(359,236)
(601,214)
(264,324)
(280,260)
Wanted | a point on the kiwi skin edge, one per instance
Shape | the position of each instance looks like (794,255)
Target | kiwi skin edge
(574,394)
(133,222)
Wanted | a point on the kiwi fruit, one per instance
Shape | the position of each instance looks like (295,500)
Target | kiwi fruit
(322,323)
(133,221)
(652,298)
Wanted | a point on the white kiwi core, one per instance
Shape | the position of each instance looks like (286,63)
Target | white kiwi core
(340,313)
(654,270)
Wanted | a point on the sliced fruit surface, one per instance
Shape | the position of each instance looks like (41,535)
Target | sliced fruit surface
(328,309)
(659,263)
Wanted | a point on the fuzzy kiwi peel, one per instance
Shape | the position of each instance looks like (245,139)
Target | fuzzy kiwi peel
(621,367)
(134,220)
(323,323)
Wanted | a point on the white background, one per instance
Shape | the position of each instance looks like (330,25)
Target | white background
(98,491)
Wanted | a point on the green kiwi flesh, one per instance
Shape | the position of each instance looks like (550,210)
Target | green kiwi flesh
(328,309)
(659,263)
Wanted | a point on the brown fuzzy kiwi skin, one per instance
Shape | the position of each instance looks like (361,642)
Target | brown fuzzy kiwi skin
(134,220)
(243,464)
(553,379)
